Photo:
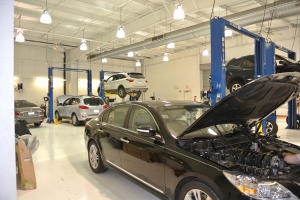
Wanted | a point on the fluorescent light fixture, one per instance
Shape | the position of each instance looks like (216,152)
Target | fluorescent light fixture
(205,52)
(45,17)
(178,13)
(104,60)
(121,32)
(171,45)
(130,54)
(138,63)
(16,78)
(228,33)
(20,36)
(166,58)
(83,46)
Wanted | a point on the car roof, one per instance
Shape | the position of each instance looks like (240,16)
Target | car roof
(160,103)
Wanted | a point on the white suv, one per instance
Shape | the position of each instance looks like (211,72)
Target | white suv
(126,83)
(79,108)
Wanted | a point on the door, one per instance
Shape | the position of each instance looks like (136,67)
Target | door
(108,83)
(110,132)
(143,157)
(64,108)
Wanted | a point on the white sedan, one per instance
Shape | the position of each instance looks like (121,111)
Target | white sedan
(126,83)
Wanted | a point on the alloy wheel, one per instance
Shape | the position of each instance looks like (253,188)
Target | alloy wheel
(94,157)
(269,127)
(196,194)
(74,119)
(236,87)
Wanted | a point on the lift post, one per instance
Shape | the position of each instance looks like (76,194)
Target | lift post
(218,66)
(50,86)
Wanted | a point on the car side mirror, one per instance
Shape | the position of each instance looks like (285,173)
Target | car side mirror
(146,131)
(282,62)
(60,104)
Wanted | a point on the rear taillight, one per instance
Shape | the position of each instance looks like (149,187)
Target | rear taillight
(83,107)
(17,113)
(130,80)
(105,106)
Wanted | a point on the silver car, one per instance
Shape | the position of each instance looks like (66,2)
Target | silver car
(25,110)
(79,108)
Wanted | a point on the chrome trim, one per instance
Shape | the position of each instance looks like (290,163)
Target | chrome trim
(123,140)
(135,177)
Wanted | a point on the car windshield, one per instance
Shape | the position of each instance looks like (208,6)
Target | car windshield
(136,75)
(211,131)
(179,118)
(93,101)
(24,104)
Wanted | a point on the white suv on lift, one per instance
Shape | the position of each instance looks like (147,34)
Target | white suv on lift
(126,83)
(79,108)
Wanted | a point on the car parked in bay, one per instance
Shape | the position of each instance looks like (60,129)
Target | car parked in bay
(132,83)
(240,70)
(28,111)
(188,150)
(79,108)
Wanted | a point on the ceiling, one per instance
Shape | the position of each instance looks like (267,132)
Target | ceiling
(97,22)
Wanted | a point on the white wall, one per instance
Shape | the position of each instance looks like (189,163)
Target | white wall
(7,134)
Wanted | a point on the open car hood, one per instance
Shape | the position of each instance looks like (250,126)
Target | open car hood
(251,103)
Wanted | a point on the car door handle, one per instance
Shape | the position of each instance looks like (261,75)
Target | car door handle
(124,140)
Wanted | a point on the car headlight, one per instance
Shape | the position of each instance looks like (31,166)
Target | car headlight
(256,189)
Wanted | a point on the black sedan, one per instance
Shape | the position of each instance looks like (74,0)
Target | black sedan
(185,150)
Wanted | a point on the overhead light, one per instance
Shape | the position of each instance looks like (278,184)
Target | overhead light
(20,36)
(121,32)
(178,13)
(130,54)
(171,45)
(228,33)
(104,60)
(205,52)
(138,63)
(16,78)
(83,46)
(166,58)
(45,17)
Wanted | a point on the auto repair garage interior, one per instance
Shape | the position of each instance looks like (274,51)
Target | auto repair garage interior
(179,47)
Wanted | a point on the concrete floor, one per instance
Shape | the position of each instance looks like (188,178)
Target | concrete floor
(63,172)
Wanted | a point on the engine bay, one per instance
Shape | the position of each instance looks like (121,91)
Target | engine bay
(247,152)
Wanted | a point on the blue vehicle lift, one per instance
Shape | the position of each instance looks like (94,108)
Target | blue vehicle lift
(50,86)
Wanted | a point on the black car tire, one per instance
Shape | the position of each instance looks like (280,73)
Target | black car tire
(235,85)
(74,120)
(37,124)
(95,158)
(121,92)
(57,116)
(271,127)
(297,118)
(201,186)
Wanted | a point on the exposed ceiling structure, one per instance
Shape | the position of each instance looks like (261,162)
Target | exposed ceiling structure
(97,22)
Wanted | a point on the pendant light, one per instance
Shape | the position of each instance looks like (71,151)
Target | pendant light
(138,63)
(121,32)
(20,36)
(205,51)
(171,45)
(83,46)
(228,33)
(179,12)
(165,58)
(45,17)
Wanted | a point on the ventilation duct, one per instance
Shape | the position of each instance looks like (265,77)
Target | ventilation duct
(282,9)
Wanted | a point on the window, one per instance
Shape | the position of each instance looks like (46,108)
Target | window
(120,76)
(93,101)
(235,62)
(67,102)
(117,115)
(104,116)
(24,103)
(110,79)
(75,101)
(140,116)
(248,62)
(136,75)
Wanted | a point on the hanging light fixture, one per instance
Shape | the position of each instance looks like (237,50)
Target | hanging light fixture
(205,51)
(138,63)
(171,45)
(121,32)
(45,17)
(178,12)
(228,33)
(130,54)
(165,58)
(20,36)
(104,60)
(83,46)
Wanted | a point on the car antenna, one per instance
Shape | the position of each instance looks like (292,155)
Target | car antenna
(226,142)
